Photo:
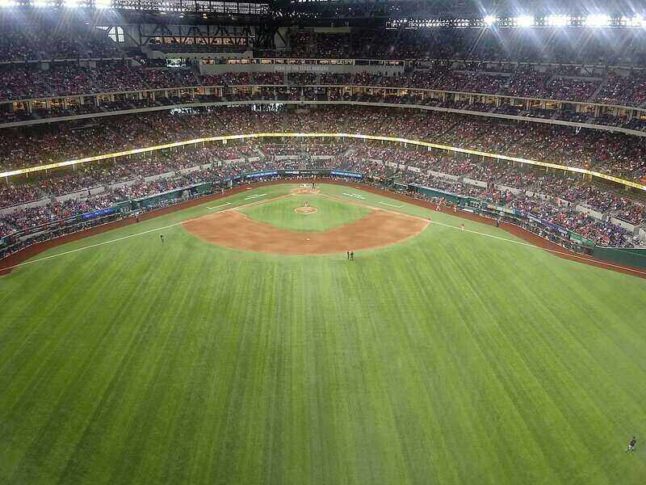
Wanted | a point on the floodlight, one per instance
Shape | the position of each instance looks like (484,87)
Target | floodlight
(40,4)
(71,3)
(557,20)
(490,20)
(102,4)
(597,20)
(636,21)
(7,3)
(524,21)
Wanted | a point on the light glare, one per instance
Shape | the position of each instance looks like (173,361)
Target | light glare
(597,20)
(490,20)
(557,20)
(636,21)
(524,21)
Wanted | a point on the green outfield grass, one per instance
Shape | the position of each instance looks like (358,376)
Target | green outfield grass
(330,213)
(455,357)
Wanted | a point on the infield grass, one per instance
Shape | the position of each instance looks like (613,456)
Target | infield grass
(451,358)
(329,213)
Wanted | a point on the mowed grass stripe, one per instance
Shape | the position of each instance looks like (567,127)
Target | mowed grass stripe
(153,359)
(450,358)
(71,342)
(548,359)
(476,321)
(54,364)
(445,392)
(155,366)
(521,385)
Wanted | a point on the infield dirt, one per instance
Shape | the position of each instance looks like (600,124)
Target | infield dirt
(235,230)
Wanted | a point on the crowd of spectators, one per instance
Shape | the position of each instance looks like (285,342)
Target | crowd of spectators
(70,79)
(606,152)
(627,89)
(45,60)
(554,199)
(66,79)
(70,36)
(46,37)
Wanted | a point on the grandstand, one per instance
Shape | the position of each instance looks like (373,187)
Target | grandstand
(527,114)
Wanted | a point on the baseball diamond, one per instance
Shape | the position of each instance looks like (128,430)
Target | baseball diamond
(316,242)
(234,229)
(247,348)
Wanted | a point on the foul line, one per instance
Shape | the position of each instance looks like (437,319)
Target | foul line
(588,261)
(457,228)
(254,196)
(122,238)
(96,245)
(355,196)
(218,206)
(103,243)
(372,206)
(391,205)
(534,246)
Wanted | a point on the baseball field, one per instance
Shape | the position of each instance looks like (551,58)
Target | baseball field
(246,348)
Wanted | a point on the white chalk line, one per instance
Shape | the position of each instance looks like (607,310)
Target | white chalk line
(122,238)
(391,205)
(254,196)
(372,206)
(525,244)
(96,245)
(534,246)
(218,206)
(458,228)
(354,196)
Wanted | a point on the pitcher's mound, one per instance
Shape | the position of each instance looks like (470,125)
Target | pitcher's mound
(306,210)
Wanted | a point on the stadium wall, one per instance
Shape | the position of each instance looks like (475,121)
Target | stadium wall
(624,256)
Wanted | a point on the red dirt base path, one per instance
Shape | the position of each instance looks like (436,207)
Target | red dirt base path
(235,230)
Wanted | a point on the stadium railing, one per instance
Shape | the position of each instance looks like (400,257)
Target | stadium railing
(224,138)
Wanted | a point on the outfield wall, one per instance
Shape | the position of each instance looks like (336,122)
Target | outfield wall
(625,256)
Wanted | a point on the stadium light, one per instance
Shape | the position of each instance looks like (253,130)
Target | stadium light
(524,21)
(597,20)
(8,3)
(71,3)
(489,20)
(102,4)
(636,21)
(557,20)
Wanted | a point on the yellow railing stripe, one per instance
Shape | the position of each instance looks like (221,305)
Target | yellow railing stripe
(108,156)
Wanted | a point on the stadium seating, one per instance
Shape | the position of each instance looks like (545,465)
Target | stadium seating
(606,152)
(56,69)
(555,199)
